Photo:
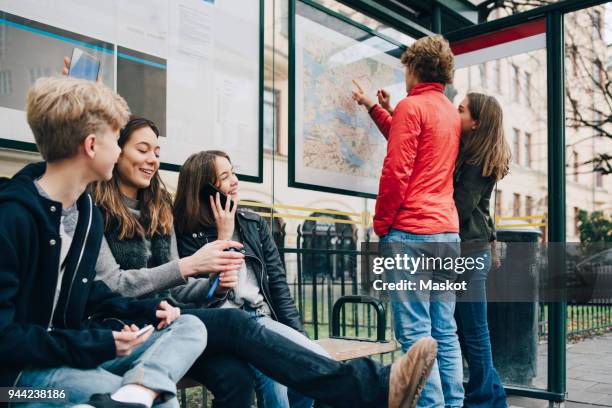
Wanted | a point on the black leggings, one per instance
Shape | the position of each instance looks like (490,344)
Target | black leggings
(358,383)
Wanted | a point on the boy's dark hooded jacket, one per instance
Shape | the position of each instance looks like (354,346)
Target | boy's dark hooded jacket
(78,334)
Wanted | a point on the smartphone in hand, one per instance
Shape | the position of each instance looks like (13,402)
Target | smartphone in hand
(144,330)
(209,189)
(84,65)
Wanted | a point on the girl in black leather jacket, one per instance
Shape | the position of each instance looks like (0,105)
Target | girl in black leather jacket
(260,286)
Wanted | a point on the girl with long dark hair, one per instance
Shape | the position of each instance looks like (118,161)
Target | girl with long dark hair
(483,160)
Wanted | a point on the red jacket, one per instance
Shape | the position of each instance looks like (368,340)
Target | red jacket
(416,186)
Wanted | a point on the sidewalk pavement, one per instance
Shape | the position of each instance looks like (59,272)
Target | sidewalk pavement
(589,375)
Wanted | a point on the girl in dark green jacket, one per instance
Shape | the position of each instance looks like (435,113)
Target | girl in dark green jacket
(483,159)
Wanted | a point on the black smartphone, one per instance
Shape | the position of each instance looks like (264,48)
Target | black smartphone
(83,65)
(209,189)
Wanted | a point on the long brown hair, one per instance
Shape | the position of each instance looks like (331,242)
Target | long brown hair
(155,202)
(486,145)
(190,211)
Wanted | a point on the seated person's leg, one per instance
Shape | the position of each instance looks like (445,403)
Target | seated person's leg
(160,362)
(266,386)
(154,367)
(229,378)
(270,394)
(78,384)
(360,382)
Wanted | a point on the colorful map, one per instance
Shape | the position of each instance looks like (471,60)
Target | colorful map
(338,135)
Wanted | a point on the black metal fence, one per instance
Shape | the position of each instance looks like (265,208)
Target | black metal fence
(324,265)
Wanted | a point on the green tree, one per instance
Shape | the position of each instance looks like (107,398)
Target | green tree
(594,227)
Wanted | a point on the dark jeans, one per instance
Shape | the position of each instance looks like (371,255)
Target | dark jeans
(229,378)
(360,382)
(484,388)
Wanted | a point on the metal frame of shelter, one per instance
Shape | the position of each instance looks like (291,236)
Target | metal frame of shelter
(441,14)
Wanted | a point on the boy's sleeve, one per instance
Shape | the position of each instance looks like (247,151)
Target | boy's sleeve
(31,344)
(103,302)
(382,119)
(398,165)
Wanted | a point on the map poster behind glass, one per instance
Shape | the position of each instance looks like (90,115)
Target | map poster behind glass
(334,145)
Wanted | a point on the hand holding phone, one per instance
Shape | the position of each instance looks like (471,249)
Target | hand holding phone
(84,65)
(209,190)
(144,330)
(223,209)
(129,338)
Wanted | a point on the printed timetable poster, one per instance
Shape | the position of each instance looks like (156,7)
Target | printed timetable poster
(191,66)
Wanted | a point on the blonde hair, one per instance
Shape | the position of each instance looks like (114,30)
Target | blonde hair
(486,145)
(62,111)
(431,59)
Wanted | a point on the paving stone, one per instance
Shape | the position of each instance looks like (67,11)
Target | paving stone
(588,397)
(579,385)
(601,387)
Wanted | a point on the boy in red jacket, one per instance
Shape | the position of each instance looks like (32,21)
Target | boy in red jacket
(415,205)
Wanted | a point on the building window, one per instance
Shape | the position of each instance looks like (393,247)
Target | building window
(528,157)
(270,120)
(515,85)
(482,69)
(527,88)
(6,83)
(516,205)
(2,41)
(576,221)
(597,26)
(496,76)
(575,156)
(597,117)
(498,204)
(574,58)
(598,178)
(516,146)
(528,205)
(597,72)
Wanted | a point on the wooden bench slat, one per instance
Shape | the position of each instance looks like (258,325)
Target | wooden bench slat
(343,349)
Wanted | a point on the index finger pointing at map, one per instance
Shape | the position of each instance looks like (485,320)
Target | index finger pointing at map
(358,86)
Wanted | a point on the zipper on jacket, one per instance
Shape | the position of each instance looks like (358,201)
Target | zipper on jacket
(76,269)
(50,324)
(263,288)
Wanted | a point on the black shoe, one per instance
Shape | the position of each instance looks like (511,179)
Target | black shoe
(105,401)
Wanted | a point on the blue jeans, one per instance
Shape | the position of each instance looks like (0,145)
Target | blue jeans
(157,364)
(428,313)
(484,388)
(271,394)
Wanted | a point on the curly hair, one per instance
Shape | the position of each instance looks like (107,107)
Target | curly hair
(431,59)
